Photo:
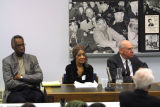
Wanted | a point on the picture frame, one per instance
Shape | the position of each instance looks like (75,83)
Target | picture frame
(99,25)
(149,26)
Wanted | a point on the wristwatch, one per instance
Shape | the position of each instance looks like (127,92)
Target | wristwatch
(21,77)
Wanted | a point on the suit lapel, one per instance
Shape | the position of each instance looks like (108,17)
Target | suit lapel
(120,63)
(133,65)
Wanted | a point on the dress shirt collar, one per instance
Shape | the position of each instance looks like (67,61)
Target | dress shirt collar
(123,60)
(129,64)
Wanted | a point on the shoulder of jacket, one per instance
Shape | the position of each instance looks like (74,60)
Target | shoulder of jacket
(8,58)
(114,57)
(90,66)
(29,56)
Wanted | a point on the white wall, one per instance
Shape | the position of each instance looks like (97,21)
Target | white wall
(44,26)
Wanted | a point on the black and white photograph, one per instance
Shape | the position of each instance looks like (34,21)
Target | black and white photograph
(151,42)
(151,6)
(100,25)
(151,23)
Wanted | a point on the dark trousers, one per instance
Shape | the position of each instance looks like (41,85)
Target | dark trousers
(25,94)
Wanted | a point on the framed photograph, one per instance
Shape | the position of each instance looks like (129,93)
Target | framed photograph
(151,7)
(149,34)
(151,23)
(152,42)
(99,25)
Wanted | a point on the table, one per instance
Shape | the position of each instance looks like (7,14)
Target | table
(69,92)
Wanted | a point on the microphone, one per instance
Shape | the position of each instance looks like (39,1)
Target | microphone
(109,75)
(109,87)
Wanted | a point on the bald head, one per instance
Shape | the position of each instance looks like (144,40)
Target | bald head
(126,49)
(124,43)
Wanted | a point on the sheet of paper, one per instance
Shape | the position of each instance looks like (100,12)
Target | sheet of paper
(51,83)
(85,85)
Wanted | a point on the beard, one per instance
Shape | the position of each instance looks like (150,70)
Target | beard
(19,54)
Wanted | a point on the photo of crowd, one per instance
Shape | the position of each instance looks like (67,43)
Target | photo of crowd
(100,25)
(152,42)
(151,12)
(151,6)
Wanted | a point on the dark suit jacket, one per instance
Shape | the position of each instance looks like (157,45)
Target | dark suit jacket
(138,98)
(115,62)
(72,76)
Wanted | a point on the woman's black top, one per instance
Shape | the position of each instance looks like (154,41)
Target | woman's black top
(72,75)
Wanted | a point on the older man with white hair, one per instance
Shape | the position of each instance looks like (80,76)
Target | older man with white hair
(126,60)
(139,97)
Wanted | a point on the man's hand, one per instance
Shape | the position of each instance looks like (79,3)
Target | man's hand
(132,77)
(16,77)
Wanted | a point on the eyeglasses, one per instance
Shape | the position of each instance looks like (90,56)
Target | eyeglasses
(129,49)
(19,45)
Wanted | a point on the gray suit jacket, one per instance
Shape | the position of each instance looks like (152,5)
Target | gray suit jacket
(33,74)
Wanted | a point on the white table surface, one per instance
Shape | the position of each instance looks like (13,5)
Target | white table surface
(108,104)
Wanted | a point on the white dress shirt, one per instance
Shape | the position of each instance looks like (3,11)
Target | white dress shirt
(129,64)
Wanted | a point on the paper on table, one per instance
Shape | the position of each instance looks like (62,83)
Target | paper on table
(51,83)
(85,85)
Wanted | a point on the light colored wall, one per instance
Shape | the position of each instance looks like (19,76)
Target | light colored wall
(44,26)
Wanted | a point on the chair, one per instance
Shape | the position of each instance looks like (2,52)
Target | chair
(95,77)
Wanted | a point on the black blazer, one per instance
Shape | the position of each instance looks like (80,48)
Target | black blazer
(115,62)
(138,98)
(72,76)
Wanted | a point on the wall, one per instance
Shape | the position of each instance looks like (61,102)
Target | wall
(44,26)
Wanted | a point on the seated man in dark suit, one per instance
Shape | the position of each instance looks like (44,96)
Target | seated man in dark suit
(22,75)
(139,97)
(126,60)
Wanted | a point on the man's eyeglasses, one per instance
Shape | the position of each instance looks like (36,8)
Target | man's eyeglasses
(129,49)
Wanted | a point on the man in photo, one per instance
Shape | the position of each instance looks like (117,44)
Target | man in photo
(150,23)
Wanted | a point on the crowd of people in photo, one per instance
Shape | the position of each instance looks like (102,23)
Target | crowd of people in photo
(151,7)
(100,26)
(152,42)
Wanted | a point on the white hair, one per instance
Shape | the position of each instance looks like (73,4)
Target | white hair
(120,45)
(143,78)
